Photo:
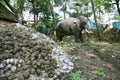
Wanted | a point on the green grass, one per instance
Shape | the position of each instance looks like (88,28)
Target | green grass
(101,71)
(76,76)
(73,44)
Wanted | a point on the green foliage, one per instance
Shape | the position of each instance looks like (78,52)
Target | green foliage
(101,71)
(81,7)
(73,44)
(117,17)
(57,18)
(47,26)
(51,22)
(42,6)
(76,76)
(69,44)
(103,4)
(57,2)
(92,78)
(17,3)
(41,28)
(45,9)
(39,25)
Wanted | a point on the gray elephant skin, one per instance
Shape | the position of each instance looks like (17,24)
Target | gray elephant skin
(72,26)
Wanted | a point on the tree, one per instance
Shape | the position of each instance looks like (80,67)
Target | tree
(97,7)
(42,8)
(82,7)
(117,4)
(92,3)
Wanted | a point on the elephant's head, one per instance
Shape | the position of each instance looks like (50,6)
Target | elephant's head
(84,24)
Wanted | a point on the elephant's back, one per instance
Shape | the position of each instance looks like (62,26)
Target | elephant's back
(64,26)
(67,22)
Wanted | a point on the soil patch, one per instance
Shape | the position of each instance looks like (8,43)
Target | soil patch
(96,60)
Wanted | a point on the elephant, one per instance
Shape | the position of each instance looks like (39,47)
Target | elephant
(72,26)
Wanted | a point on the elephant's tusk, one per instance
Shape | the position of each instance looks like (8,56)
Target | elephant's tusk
(88,31)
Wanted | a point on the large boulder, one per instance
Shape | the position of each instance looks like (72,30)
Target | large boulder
(27,54)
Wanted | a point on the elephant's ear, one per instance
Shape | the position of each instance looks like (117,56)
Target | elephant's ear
(82,19)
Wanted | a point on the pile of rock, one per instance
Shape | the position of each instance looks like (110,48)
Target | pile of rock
(27,54)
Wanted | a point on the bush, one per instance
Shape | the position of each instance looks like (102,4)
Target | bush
(111,35)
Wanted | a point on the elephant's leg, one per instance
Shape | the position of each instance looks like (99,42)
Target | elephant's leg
(77,40)
(75,32)
(88,36)
(81,36)
(76,35)
(59,36)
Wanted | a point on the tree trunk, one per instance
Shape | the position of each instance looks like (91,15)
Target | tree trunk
(53,16)
(20,10)
(33,5)
(5,14)
(64,8)
(117,4)
(95,20)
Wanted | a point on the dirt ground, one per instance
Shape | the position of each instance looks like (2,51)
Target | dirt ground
(95,60)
